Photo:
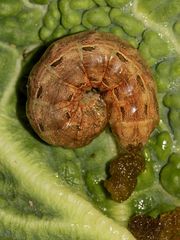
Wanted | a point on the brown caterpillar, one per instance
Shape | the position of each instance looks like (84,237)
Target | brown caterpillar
(85,81)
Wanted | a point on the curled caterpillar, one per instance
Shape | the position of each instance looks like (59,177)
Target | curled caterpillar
(86,80)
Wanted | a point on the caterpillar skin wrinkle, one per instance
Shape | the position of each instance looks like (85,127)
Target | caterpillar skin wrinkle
(85,81)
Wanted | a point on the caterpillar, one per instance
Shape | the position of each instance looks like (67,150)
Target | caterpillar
(88,80)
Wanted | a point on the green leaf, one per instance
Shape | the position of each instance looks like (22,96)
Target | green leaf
(50,192)
(10,67)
